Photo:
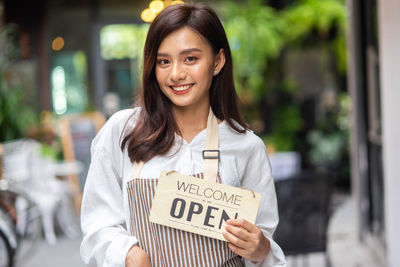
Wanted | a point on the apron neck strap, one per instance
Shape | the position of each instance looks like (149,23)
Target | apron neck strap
(137,167)
(210,154)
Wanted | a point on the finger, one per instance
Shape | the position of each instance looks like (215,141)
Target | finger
(238,250)
(238,232)
(234,240)
(243,223)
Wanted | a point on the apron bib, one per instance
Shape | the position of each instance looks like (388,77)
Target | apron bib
(169,247)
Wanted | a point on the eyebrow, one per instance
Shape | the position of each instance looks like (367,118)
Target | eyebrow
(186,51)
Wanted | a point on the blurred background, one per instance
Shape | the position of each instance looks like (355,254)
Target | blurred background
(316,81)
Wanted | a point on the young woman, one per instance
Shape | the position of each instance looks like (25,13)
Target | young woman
(187,69)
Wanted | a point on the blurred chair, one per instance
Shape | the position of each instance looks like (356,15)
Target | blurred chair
(304,211)
(285,164)
(33,175)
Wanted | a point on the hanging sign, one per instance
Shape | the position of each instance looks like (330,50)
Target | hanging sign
(199,206)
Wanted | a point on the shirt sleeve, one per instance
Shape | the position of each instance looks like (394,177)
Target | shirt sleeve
(105,238)
(258,176)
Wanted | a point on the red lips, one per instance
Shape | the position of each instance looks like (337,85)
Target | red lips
(183,91)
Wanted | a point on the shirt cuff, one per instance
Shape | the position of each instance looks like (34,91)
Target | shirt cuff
(275,257)
(116,252)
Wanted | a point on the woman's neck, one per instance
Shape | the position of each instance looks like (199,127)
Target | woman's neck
(191,121)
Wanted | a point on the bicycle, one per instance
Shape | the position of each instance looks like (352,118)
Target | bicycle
(22,218)
(8,238)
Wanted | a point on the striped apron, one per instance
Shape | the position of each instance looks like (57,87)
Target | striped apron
(170,247)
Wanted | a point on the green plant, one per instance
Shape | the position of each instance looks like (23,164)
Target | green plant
(287,122)
(329,139)
(15,113)
(260,36)
(307,15)
(254,32)
(326,19)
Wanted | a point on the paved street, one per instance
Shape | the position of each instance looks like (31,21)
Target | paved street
(64,254)
(343,247)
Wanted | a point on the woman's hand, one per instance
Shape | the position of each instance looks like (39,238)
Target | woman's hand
(246,240)
(137,257)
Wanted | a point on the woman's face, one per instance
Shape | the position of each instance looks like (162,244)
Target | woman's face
(185,67)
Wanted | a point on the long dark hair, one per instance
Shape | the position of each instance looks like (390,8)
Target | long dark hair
(154,132)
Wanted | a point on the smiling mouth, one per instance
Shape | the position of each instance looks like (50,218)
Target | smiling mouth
(181,88)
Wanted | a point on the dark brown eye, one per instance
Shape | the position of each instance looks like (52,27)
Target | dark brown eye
(162,62)
(191,59)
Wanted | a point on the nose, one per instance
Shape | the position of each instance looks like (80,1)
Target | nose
(178,73)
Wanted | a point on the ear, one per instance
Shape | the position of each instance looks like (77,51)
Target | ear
(219,61)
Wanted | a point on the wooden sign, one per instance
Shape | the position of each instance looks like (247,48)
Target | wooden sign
(200,206)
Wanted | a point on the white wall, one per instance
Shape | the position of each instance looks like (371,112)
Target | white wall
(389,35)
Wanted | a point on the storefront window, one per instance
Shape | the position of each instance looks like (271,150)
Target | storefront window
(69,82)
(121,47)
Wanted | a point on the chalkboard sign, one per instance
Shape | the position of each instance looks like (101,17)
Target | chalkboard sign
(77,134)
(82,133)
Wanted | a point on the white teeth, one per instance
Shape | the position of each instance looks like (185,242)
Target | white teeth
(181,88)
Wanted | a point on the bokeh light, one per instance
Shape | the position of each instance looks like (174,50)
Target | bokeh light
(148,15)
(57,44)
(155,7)
(177,2)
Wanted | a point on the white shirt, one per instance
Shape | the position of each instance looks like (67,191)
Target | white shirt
(105,209)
